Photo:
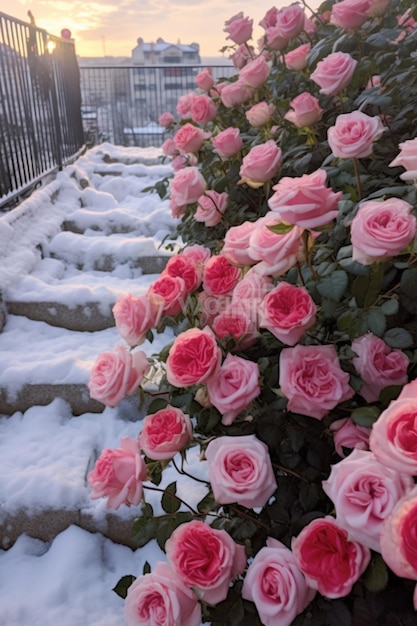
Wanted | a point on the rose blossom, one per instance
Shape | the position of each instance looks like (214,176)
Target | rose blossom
(227,143)
(165,433)
(407,158)
(118,475)
(166,119)
(305,200)
(393,438)
(239,28)
(347,434)
(236,323)
(398,537)
(259,114)
(159,599)
(117,374)
(172,290)
(353,135)
(193,358)
(185,267)
(233,387)
(235,94)
(187,186)
(277,252)
(312,380)
(184,105)
(274,39)
(197,253)
(176,210)
(330,560)
(255,73)
(249,293)
(350,14)
(260,164)
(287,312)
(211,306)
(382,229)
(334,72)
(203,109)
(204,79)
(378,365)
(297,59)
(134,316)
(364,492)
(220,276)
(210,207)
(290,21)
(189,138)
(306,110)
(240,471)
(205,559)
(169,148)
(236,242)
(242,55)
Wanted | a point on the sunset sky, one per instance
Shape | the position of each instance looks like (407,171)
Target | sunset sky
(111,27)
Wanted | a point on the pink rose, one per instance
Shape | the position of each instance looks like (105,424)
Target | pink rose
(270,18)
(184,105)
(290,21)
(220,276)
(260,164)
(393,438)
(287,312)
(197,253)
(297,59)
(334,72)
(277,252)
(255,73)
(165,433)
(205,559)
(274,39)
(159,598)
(353,134)
(378,365)
(185,267)
(350,14)
(203,109)
(407,158)
(382,229)
(305,200)
(169,147)
(239,28)
(177,210)
(228,142)
(236,323)
(259,114)
(235,94)
(249,293)
(172,290)
(187,186)
(117,374)
(398,537)
(347,434)
(134,316)
(211,306)
(211,207)
(364,492)
(236,242)
(233,387)
(330,560)
(194,358)
(306,110)
(166,119)
(178,163)
(189,138)
(118,475)
(204,79)
(242,55)
(312,380)
(240,471)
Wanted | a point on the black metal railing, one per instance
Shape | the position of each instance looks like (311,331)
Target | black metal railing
(40,106)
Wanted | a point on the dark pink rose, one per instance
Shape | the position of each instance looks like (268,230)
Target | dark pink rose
(166,119)
(334,72)
(134,316)
(238,28)
(261,164)
(330,560)
(227,143)
(185,267)
(407,158)
(236,323)
(220,276)
(236,243)
(189,138)
(312,380)
(297,59)
(187,186)
(350,14)
(159,599)
(287,312)
(255,72)
(117,374)
(306,110)
(276,252)
(118,475)
(165,433)
(205,559)
(347,434)
(194,358)
(364,492)
(172,290)
(210,208)
(203,109)
(398,537)
(353,135)
(204,79)
(235,94)
(233,387)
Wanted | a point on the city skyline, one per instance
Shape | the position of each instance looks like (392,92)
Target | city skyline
(102,28)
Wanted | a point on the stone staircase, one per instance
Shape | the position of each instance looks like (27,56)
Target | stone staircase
(66,254)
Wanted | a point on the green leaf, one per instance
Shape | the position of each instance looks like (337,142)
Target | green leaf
(333,286)
(365,415)
(166,526)
(375,577)
(156,405)
(376,322)
(408,283)
(389,394)
(146,568)
(123,585)
(281,229)
(143,531)
(390,307)
(207,504)
(169,502)
(398,338)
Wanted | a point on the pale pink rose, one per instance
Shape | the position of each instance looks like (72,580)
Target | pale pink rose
(118,475)
(310,26)
(177,210)
(210,207)
(205,559)
(378,365)
(233,387)
(178,163)
(393,438)
(287,312)
(235,94)
(236,243)
(117,374)
(169,147)
(277,252)
(364,493)
(290,21)
(350,14)
(398,537)
(166,119)
(189,138)
(159,599)
(297,59)
(330,560)
(353,135)
(305,200)
(407,158)
(228,142)
(165,433)
(274,39)
(194,358)
(220,276)
(184,105)
(185,267)
(203,109)
(198,254)
(242,55)
(204,79)
(240,471)
(249,293)
(187,186)
(312,380)
(334,72)
(255,72)
(239,28)
(347,434)
(276,585)
(382,229)
(259,114)
(261,163)
(236,323)
(269,19)
(172,290)
(306,110)
(135,315)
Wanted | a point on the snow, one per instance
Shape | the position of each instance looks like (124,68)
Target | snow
(46,452)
